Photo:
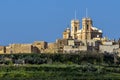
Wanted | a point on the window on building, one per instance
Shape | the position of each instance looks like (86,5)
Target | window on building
(87,26)
(75,28)
(61,47)
(60,43)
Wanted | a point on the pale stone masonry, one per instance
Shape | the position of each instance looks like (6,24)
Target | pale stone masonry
(72,49)
(35,47)
(88,32)
(109,46)
(19,48)
(52,48)
(40,46)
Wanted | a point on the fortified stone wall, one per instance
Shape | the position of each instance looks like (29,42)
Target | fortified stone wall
(108,48)
(19,48)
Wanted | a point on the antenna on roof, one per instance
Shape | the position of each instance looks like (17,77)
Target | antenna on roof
(86,12)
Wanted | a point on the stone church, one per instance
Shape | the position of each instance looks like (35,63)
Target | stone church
(88,32)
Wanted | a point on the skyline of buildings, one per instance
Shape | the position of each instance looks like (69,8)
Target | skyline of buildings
(75,40)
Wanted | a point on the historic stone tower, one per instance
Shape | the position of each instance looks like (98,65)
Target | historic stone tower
(75,24)
(86,28)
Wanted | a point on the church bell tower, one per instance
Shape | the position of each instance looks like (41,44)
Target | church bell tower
(75,25)
(86,27)
(74,28)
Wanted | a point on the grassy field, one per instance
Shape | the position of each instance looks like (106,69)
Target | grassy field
(57,72)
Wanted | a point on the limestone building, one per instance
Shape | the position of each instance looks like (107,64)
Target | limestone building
(88,32)
(40,46)
(86,38)
(60,44)
(109,46)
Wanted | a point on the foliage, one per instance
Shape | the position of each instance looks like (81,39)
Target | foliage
(71,58)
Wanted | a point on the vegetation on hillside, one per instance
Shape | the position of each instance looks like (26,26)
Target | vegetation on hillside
(73,58)
(74,66)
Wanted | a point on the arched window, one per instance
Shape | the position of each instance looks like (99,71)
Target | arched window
(87,26)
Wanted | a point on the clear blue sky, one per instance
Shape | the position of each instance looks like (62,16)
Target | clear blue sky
(25,21)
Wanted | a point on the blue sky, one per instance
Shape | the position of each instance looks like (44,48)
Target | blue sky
(25,21)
